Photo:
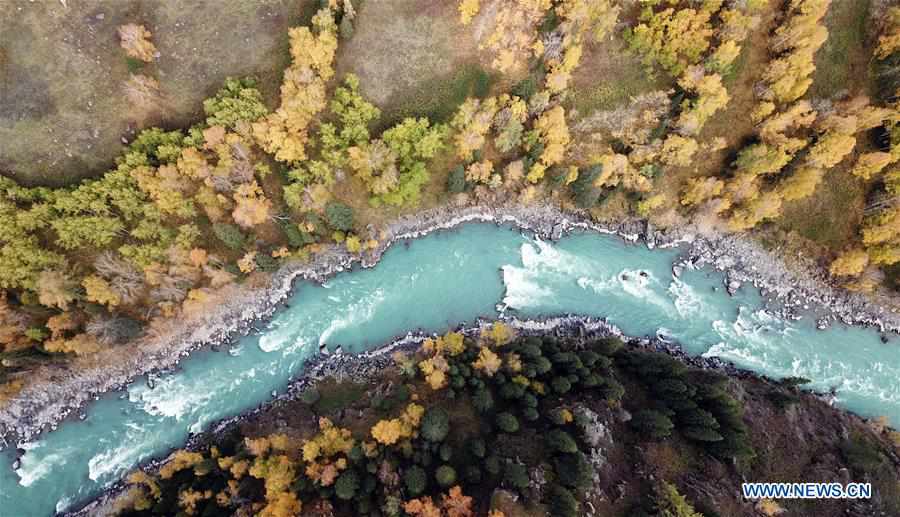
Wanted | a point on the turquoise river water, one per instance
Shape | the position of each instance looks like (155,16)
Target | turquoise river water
(435,283)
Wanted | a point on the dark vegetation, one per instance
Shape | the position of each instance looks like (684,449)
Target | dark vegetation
(565,427)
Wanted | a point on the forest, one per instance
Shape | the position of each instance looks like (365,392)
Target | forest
(185,214)
(504,425)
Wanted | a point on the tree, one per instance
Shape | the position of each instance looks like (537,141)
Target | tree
(80,344)
(573,470)
(870,164)
(415,480)
(303,90)
(445,475)
(467,10)
(672,38)
(456,504)
(553,132)
(354,114)
(237,101)
(135,40)
(346,485)
(98,290)
(251,206)
(561,441)
(652,424)
(796,41)
(230,235)
(435,425)
(456,181)
(87,230)
(586,194)
(699,190)
(802,183)
(515,475)
(507,423)
(678,150)
(487,361)
(709,96)
(55,289)
(561,501)
(850,263)
(889,40)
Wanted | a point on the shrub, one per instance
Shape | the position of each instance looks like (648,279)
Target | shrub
(230,235)
(339,216)
(861,454)
(435,425)
(507,422)
(561,501)
(310,396)
(445,475)
(456,182)
(652,424)
(515,475)
(415,480)
(561,441)
(346,485)
(608,346)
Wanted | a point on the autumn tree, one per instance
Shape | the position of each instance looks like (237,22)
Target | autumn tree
(513,36)
(251,205)
(889,39)
(795,42)
(708,96)
(850,263)
(285,131)
(674,38)
(468,9)
(56,289)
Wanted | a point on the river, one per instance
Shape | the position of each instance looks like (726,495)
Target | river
(435,283)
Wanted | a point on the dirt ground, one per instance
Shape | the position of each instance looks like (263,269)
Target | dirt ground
(63,114)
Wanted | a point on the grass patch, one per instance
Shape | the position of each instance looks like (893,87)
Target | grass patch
(830,217)
(609,77)
(134,65)
(338,395)
(438,98)
(842,62)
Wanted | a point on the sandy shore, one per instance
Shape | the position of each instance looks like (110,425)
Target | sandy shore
(55,393)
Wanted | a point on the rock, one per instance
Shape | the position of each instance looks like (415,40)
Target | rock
(557,232)
(733,286)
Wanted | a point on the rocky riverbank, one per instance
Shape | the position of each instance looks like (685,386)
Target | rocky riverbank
(55,393)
